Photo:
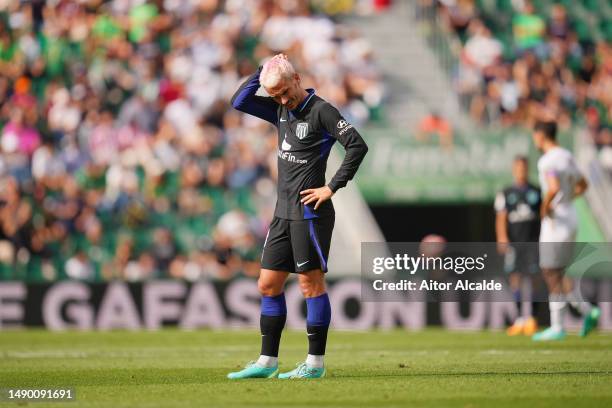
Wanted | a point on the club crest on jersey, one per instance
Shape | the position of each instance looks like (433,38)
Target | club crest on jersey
(301,130)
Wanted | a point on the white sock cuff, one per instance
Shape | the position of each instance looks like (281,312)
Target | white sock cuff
(267,361)
(556,298)
(314,361)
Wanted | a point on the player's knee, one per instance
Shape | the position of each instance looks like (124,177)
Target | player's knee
(268,287)
(312,287)
(553,274)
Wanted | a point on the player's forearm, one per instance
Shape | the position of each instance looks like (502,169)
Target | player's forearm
(356,149)
(242,99)
(501,230)
(246,100)
(548,198)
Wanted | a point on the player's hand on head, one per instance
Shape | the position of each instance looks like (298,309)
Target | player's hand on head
(316,195)
(280,56)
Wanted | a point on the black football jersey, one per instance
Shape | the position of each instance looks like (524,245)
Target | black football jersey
(522,205)
(305,138)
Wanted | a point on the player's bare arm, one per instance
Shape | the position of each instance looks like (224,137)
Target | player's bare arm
(553,189)
(501,231)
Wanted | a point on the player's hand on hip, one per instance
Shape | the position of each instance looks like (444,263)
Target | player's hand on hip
(316,195)
(546,211)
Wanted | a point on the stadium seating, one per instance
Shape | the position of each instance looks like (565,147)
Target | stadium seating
(130,103)
(578,45)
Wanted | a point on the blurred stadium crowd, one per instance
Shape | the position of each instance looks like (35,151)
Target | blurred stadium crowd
(119,155)
(523,60)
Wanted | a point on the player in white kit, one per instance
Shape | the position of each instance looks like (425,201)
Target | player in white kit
(561,182)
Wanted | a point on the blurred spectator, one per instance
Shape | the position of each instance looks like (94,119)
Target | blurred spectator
(458,15)
(163,249)
(481,50)
(528,28)
(605,152)
(79,267)
(15,219)
(559,25)
(433,125)
(381,5)
(533,69)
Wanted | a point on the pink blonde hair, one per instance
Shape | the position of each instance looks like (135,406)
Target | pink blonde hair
(275,70)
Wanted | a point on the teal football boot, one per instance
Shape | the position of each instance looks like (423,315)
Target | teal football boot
(303,371)
(252,370)
(590,321)
(549,334)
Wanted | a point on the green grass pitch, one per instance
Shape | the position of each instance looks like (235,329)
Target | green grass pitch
(432,368)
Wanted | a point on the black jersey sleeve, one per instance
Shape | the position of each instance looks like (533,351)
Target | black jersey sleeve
(337,127)
(246,101)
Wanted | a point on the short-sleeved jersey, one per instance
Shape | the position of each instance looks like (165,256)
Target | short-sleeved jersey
(560,163)
(522,206)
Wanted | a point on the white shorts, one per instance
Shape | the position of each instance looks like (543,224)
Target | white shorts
(557,241)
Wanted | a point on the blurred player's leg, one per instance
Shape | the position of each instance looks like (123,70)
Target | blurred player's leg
(525,323)
(556,304)
(528,306)
(518,325)
(523,264)
(590,314)
(590,321)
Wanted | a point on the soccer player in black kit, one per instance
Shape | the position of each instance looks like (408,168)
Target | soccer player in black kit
(299,237)
(517,210)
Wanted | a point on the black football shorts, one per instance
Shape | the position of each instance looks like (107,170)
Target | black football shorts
(522,257)
(297,245)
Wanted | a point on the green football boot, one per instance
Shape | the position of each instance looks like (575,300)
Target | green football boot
(252,370)
(303,371)
(549,334)
(590,321)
